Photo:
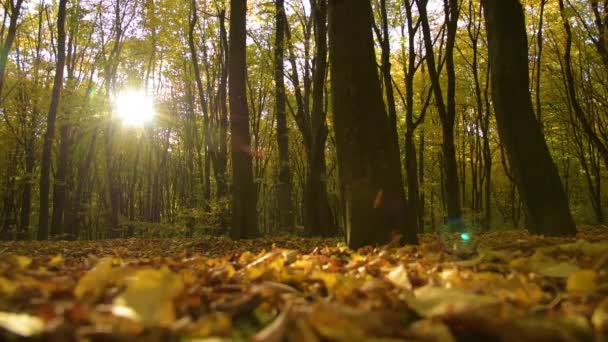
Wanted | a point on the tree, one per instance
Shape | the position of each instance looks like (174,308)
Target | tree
(536,176)
(446,106)
(369,167)
(45,168)
(285,205)
(244,210)
(15,10)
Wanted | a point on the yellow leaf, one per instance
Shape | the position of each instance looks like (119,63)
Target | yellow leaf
(22,261)
(582,281)
(399,277)
(600,317)
(149,297)
(57,260)
(93,283)
(7,287)
(329,279)
(21,324)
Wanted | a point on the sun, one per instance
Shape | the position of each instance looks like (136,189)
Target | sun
(134,108)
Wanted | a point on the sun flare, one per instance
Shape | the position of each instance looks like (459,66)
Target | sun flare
(134,108)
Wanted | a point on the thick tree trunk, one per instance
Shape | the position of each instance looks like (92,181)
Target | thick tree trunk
(45,169)
(535,174)
(369,167)
(244,199)
(284,188)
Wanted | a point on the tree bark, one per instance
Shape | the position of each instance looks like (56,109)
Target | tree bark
(244,199)
(447,113)
(221,162)
(535,174)
(202,99)
(318,218)
(15,10)
(369,167)
(284,186)
(45,169)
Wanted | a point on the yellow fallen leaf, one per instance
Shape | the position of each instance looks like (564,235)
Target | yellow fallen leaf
(21,324)
(329,279)
(582,281)
(22,261)
(432,301)
(7,287)
(57,260)
(92,284)
(599,319)
(149,297)
(399,277)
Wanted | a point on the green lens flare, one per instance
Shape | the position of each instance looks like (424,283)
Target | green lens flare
(465,236)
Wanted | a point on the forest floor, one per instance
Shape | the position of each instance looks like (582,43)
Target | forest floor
(512,287)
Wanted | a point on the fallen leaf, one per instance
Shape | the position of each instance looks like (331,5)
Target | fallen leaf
(22,261)
(582,281)
(92,284)
(57,260)
(7,287)
(21,324)
(432,301)
(149,297)
(399,277)
(599,319)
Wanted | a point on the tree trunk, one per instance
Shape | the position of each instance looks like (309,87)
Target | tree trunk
(317,213)
(369,167)
(45,169)
(244,200)
(60,184)
(202,99)
(535,174)
(284,188)
(447,114)
(221,161)
(15,10)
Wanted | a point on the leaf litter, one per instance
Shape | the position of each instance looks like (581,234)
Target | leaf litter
(514,286)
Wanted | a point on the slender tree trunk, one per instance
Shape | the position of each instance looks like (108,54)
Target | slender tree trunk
(26,197)
(284,186)
(75,217)
(447,113)
(45,170)
(60,183)
(202,98)
(411,168)
(15,10)
(582,116)
(369,167)
(222,157)
(535,174)
(317,213)
(539,46)
(244,200)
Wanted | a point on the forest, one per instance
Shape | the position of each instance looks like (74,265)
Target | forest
(303,170)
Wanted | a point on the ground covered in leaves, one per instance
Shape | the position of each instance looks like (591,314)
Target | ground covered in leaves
(506,286)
